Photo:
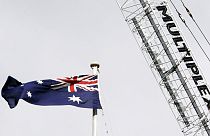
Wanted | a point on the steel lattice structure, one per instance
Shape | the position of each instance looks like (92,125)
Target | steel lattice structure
(171,62)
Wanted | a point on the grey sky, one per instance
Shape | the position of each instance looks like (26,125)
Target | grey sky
(42,39)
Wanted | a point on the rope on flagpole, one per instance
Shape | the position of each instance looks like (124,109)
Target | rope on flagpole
(107,129)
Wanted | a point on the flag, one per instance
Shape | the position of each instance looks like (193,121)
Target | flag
(80,91)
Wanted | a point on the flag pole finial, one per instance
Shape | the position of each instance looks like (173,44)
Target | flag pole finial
(95,67)
(95,64)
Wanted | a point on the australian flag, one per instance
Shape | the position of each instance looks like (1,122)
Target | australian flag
(80,91)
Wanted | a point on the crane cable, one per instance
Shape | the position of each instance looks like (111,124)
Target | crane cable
(180,16)
(190,14)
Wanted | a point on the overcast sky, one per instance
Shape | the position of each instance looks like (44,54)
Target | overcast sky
(43,39)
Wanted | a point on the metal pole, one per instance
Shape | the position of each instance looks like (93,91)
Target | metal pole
(95,67)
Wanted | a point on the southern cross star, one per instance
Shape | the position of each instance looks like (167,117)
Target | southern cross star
(29,94)
(73,98)
(39,81)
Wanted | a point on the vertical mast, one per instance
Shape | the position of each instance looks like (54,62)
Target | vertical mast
(95,68)
(168,57)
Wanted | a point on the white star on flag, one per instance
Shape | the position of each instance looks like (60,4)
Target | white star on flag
(73,98)
(29,94)
(39,81)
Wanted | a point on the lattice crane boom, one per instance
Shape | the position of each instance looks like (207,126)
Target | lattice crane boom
(171,61)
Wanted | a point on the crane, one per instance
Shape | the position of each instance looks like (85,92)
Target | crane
(171,61)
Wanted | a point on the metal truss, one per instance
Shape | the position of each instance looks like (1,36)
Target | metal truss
(166,63)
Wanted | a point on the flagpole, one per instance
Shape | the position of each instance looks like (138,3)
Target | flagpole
(95,68)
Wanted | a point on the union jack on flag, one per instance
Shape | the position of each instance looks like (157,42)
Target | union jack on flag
(81,82)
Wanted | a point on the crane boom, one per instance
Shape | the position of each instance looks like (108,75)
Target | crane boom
(171,61)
